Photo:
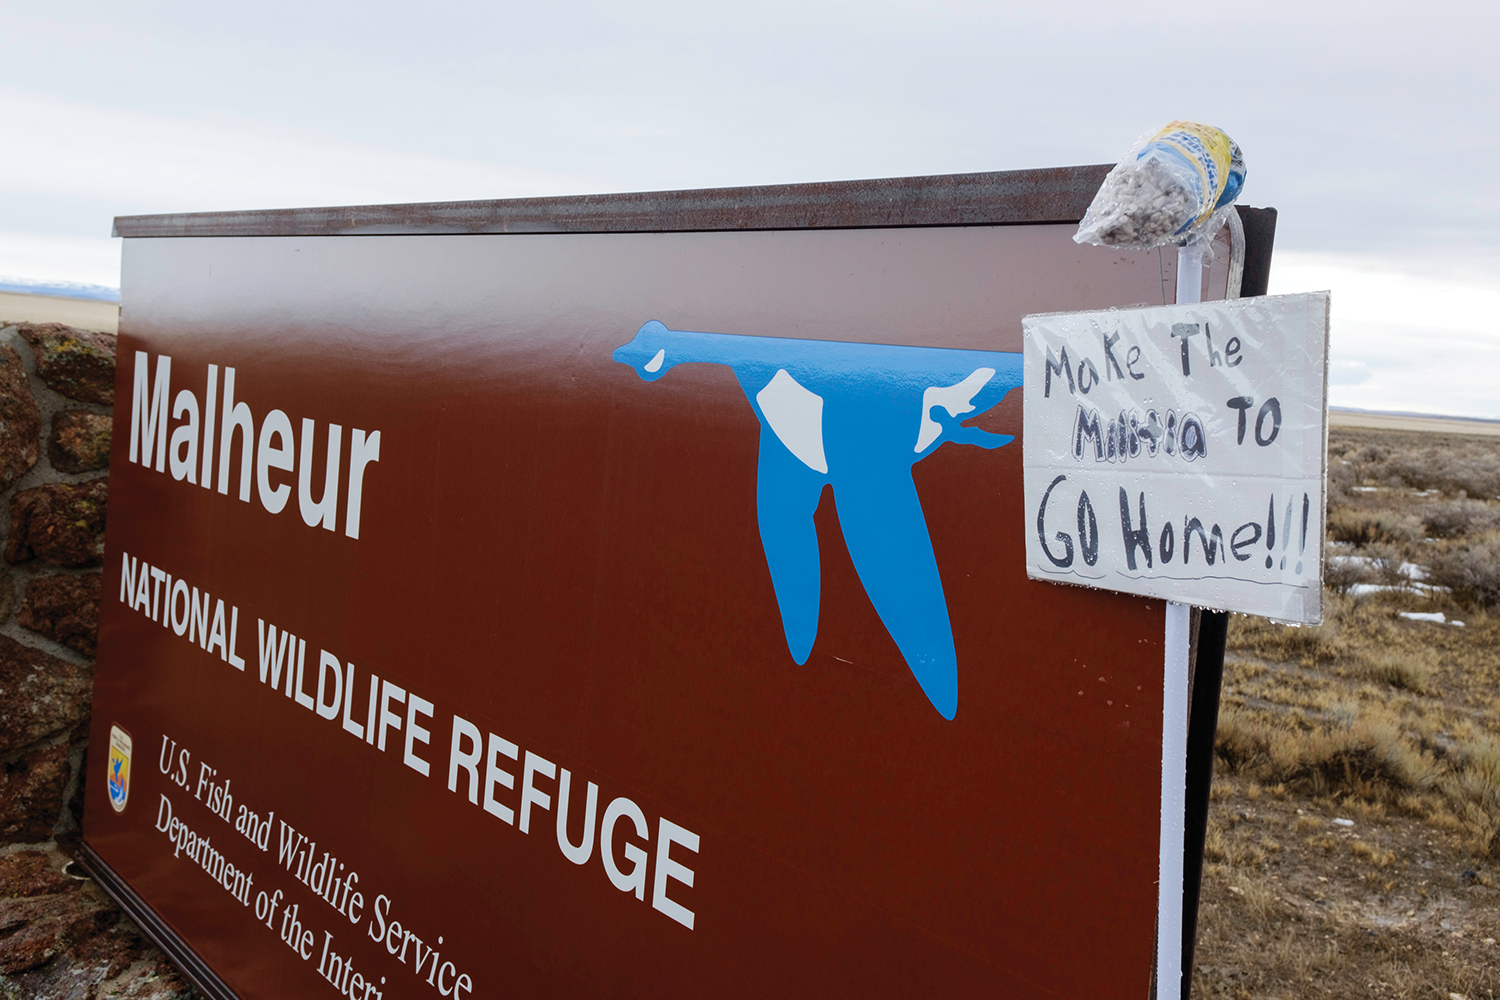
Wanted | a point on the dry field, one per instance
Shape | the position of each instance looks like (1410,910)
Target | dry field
(1354,838)
(86,314)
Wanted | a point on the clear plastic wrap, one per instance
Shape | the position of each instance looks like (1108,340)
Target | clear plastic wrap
(1173,187)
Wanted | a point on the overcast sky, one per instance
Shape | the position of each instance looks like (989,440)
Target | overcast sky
(1373,128)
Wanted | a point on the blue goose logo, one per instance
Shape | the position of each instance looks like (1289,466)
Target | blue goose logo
(857,416)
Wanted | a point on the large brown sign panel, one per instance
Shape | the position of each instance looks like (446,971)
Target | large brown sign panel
(627,614)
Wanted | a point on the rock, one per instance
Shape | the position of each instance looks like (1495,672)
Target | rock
(7,593)
(65,609)
(79,364)
(40,695)
(36,927)
(20,420)
(72,821)
(59,523)
(62,937)
(31,796)
(80,441)
(82,969)
(118,964)
(33,873)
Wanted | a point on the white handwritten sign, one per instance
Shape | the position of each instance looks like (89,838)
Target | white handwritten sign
(1180,452)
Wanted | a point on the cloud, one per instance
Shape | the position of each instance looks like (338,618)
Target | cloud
(42,258)
(1376,289)
(1396,367)
(1374,135)
(1402,340)
(146,162)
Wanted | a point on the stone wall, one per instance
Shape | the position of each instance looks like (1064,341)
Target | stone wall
(60,936)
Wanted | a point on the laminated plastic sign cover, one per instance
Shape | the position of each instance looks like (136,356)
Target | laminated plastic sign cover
(1181,452)
(613,614)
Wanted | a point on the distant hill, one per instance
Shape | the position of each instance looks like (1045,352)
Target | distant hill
(60,289)
(1348,416)
(1411,413)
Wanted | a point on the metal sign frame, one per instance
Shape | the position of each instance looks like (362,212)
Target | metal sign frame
(1028,197)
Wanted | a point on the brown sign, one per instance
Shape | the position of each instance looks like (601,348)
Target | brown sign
(612,613)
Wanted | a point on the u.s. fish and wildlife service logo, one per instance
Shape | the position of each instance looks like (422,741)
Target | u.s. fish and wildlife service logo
(119,768)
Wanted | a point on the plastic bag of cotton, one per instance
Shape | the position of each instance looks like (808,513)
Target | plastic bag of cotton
(1175,186)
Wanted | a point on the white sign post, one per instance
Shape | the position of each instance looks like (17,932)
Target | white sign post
(1180,452)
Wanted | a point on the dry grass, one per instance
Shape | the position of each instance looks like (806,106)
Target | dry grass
(1374,855)
(1471,570)
(1366,527)
(1340,576)
(1364,754)
(1451,463)
(1354,839)
(1305,646)
(1457,518)
(1472,785)
(1404,671)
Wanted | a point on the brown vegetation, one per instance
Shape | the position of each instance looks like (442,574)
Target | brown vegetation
(1354,840)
